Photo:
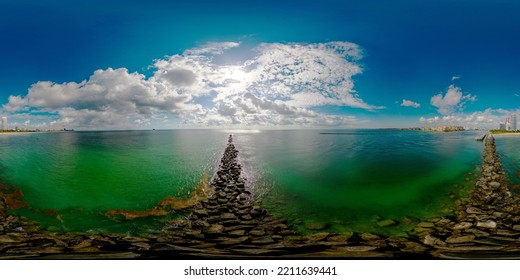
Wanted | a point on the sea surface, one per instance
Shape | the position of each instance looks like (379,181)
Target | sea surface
(346,180)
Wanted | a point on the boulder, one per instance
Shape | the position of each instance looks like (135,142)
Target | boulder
(215,229)
(474,210)
(460,239)
(433,241)
(227,216)
(462,226)
(490,224)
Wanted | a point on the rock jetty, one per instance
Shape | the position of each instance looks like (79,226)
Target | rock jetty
(485,226)
(229,223)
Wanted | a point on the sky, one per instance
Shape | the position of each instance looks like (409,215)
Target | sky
(93,65)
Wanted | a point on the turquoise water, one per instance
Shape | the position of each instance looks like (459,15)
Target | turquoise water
(83,174)
(349,180)
(508,148)
(354,179)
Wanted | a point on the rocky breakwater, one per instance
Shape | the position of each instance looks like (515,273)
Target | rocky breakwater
(230,223)
(485,226)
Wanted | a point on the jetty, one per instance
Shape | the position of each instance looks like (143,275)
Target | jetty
(481,137)
(229,222)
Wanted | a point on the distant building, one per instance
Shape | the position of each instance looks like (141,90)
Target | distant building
(4,123)
(508,123)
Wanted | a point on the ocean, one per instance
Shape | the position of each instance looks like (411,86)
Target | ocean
(348,180)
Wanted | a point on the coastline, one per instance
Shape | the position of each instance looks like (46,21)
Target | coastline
(513,134)
(228,223)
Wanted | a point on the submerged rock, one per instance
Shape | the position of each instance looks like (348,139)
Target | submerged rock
(386,223)
(317,226)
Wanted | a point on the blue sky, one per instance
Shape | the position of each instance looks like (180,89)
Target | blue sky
(141,64)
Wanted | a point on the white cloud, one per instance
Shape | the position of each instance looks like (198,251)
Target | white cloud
(278,84)
(489,118)
(452,101)
(211,48)
(409,103)
(455,78)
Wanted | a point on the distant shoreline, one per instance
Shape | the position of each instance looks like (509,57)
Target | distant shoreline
(506,134)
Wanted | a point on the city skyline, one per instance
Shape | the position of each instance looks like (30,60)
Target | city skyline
(332,64)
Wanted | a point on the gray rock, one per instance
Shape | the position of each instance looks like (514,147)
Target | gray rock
(474,210)
(516,227)
(228,216)
(215,229)
(460,239)
(462,226)
(433,241)
(494,184)
(500,215)
(477,232)
(487,224)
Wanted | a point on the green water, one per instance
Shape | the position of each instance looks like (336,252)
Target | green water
(354,179)
(349,180)
(84,174)
(509,152)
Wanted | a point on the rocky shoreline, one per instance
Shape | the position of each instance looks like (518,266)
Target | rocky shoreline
(229,223)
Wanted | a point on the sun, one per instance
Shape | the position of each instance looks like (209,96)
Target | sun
(237,75)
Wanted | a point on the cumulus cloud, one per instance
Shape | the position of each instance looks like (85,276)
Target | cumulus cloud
(489,118)
(409,103)
(455,78)
(453,100)
(278,84)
